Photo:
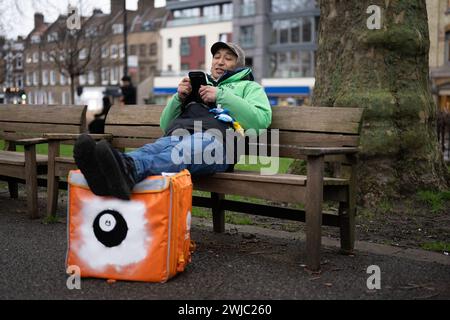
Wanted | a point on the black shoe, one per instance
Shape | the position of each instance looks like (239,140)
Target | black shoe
(118,170)
(84,155)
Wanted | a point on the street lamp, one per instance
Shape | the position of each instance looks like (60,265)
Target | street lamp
(125,38)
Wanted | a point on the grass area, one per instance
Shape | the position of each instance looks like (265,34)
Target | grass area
(66,150)
(436,246)
(252,163)
(437,201)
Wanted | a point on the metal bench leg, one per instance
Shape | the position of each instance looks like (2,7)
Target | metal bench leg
(347,227)
(347,211)
(313,206)
(13,189)
(218,212)
(31,181)
(52,180)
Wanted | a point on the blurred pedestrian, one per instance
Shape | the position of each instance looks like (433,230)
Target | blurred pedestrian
(128,91)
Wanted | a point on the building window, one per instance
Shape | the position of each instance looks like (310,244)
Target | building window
(52,56)
(185,47)
(223,37)
(52,77)
(105,51)
(211,11)
(292,64)
(19,81)
(19,62)
(169,43)
(44,56)
(142,50)
(121,50)
(52,37)
(114,52)
(29,59)
(202,41)
(50,98)
(35,39)
(83,54)
(169,68)
(35,57)
(30,98)
(133,50)
(62,79)
(105,76)
(117,28)
(82,79)
(65,98)
(187,13)
(227,10)
(185,67)
(29,79)
(292,6)
(44,77)
(91,77)
(307,30)
(114,75)
(248,8)
(294,31)
(246,36)
(153,49)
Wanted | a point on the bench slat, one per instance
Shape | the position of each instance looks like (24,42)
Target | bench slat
(34,129)
(152,132)
(42,114)
(304,139)
(18,158)
(317,119)
(135,115)
(263,190)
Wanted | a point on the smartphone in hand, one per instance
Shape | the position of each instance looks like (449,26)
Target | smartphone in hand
(198,79)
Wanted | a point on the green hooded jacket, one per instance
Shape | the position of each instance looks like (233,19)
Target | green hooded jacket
(240,94)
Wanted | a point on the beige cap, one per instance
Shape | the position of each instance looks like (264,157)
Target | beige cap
(237,50)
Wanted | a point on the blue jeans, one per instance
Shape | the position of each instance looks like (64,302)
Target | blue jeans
(174,154)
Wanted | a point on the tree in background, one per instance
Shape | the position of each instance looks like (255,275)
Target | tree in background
(386,71)
(75,51)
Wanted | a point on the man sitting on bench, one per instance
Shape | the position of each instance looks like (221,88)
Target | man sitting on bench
(232,99)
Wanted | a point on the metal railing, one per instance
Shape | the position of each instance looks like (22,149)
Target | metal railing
(198,20)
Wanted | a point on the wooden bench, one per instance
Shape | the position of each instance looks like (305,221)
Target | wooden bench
(315,134)
(25,125)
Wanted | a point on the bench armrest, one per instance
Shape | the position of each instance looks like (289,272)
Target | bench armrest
(29,142)
(75,136)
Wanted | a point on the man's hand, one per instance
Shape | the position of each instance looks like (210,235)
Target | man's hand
(208,94)
(184,88)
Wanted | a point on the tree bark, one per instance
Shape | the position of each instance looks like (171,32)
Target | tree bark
(385,71)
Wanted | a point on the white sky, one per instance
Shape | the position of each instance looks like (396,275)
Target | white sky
(26,20)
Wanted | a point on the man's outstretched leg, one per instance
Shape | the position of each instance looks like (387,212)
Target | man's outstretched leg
(118,170)
(84,154)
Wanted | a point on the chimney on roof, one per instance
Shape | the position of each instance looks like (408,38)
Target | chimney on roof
(117,6)
(38,20)
(145,4)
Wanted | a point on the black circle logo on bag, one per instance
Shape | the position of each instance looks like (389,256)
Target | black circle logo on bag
(110,228)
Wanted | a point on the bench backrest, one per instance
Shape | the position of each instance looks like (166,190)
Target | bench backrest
(134,126)
(27,121)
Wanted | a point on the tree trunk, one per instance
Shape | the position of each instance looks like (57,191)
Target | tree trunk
(72,89)
(385,71)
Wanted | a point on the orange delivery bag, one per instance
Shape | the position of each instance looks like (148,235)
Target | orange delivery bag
(145,239)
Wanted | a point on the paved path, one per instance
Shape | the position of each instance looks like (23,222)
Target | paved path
(244,263)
